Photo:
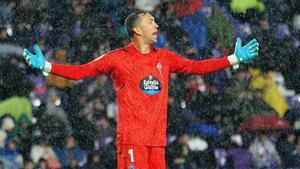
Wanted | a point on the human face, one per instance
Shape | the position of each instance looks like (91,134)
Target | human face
(147,28)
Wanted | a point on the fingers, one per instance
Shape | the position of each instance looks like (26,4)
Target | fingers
(256,45)
(254,41)
(38,50)
(252,44)
(249,51)
(238,42)
(254,50)
(28,55)
(254,54)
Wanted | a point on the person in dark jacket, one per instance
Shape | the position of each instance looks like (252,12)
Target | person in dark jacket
(94,161)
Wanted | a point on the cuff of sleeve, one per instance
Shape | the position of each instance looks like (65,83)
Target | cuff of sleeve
(47,68)
(233,59)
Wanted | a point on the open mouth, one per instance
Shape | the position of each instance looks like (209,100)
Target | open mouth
(155,34)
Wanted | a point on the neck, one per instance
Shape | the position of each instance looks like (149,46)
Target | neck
(143,47)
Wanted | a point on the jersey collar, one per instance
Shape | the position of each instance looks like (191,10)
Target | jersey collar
(130,47)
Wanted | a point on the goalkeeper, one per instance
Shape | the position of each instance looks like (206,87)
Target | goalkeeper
(141,75)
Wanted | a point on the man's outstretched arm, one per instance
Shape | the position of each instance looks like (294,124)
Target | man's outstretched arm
(241,54)
(74,72)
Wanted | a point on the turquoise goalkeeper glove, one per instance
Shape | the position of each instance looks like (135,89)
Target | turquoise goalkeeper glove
(243,54)
(246,53)
(36,61)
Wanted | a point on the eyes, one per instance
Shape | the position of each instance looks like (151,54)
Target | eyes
(151,21)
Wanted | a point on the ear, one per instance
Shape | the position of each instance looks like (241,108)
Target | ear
(137,31)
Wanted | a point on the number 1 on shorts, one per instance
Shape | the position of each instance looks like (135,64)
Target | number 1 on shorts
(130,152)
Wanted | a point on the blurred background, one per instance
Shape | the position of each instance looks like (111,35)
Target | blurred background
(234,118)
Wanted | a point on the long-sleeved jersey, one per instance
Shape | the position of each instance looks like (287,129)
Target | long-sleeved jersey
(141,86)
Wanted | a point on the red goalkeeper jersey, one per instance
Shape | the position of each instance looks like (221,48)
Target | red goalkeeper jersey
(141,86)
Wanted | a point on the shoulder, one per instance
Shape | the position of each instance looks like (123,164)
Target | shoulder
(116,51)
(162,52)
(111,55)
(166,53)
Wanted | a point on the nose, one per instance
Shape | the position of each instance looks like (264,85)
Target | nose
(156,25)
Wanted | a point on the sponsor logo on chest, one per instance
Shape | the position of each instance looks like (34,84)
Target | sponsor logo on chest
(150,85)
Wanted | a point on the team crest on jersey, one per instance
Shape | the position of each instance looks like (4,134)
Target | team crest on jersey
(150,85)
(159,67)
(131,166)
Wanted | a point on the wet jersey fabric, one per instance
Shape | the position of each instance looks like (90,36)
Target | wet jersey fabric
(141,85)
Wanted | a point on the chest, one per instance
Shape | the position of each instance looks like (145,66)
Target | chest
(139,66)
(145,74)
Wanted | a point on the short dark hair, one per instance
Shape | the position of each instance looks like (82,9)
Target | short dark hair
(130,21)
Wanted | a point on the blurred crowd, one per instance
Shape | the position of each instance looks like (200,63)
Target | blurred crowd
(52,122)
